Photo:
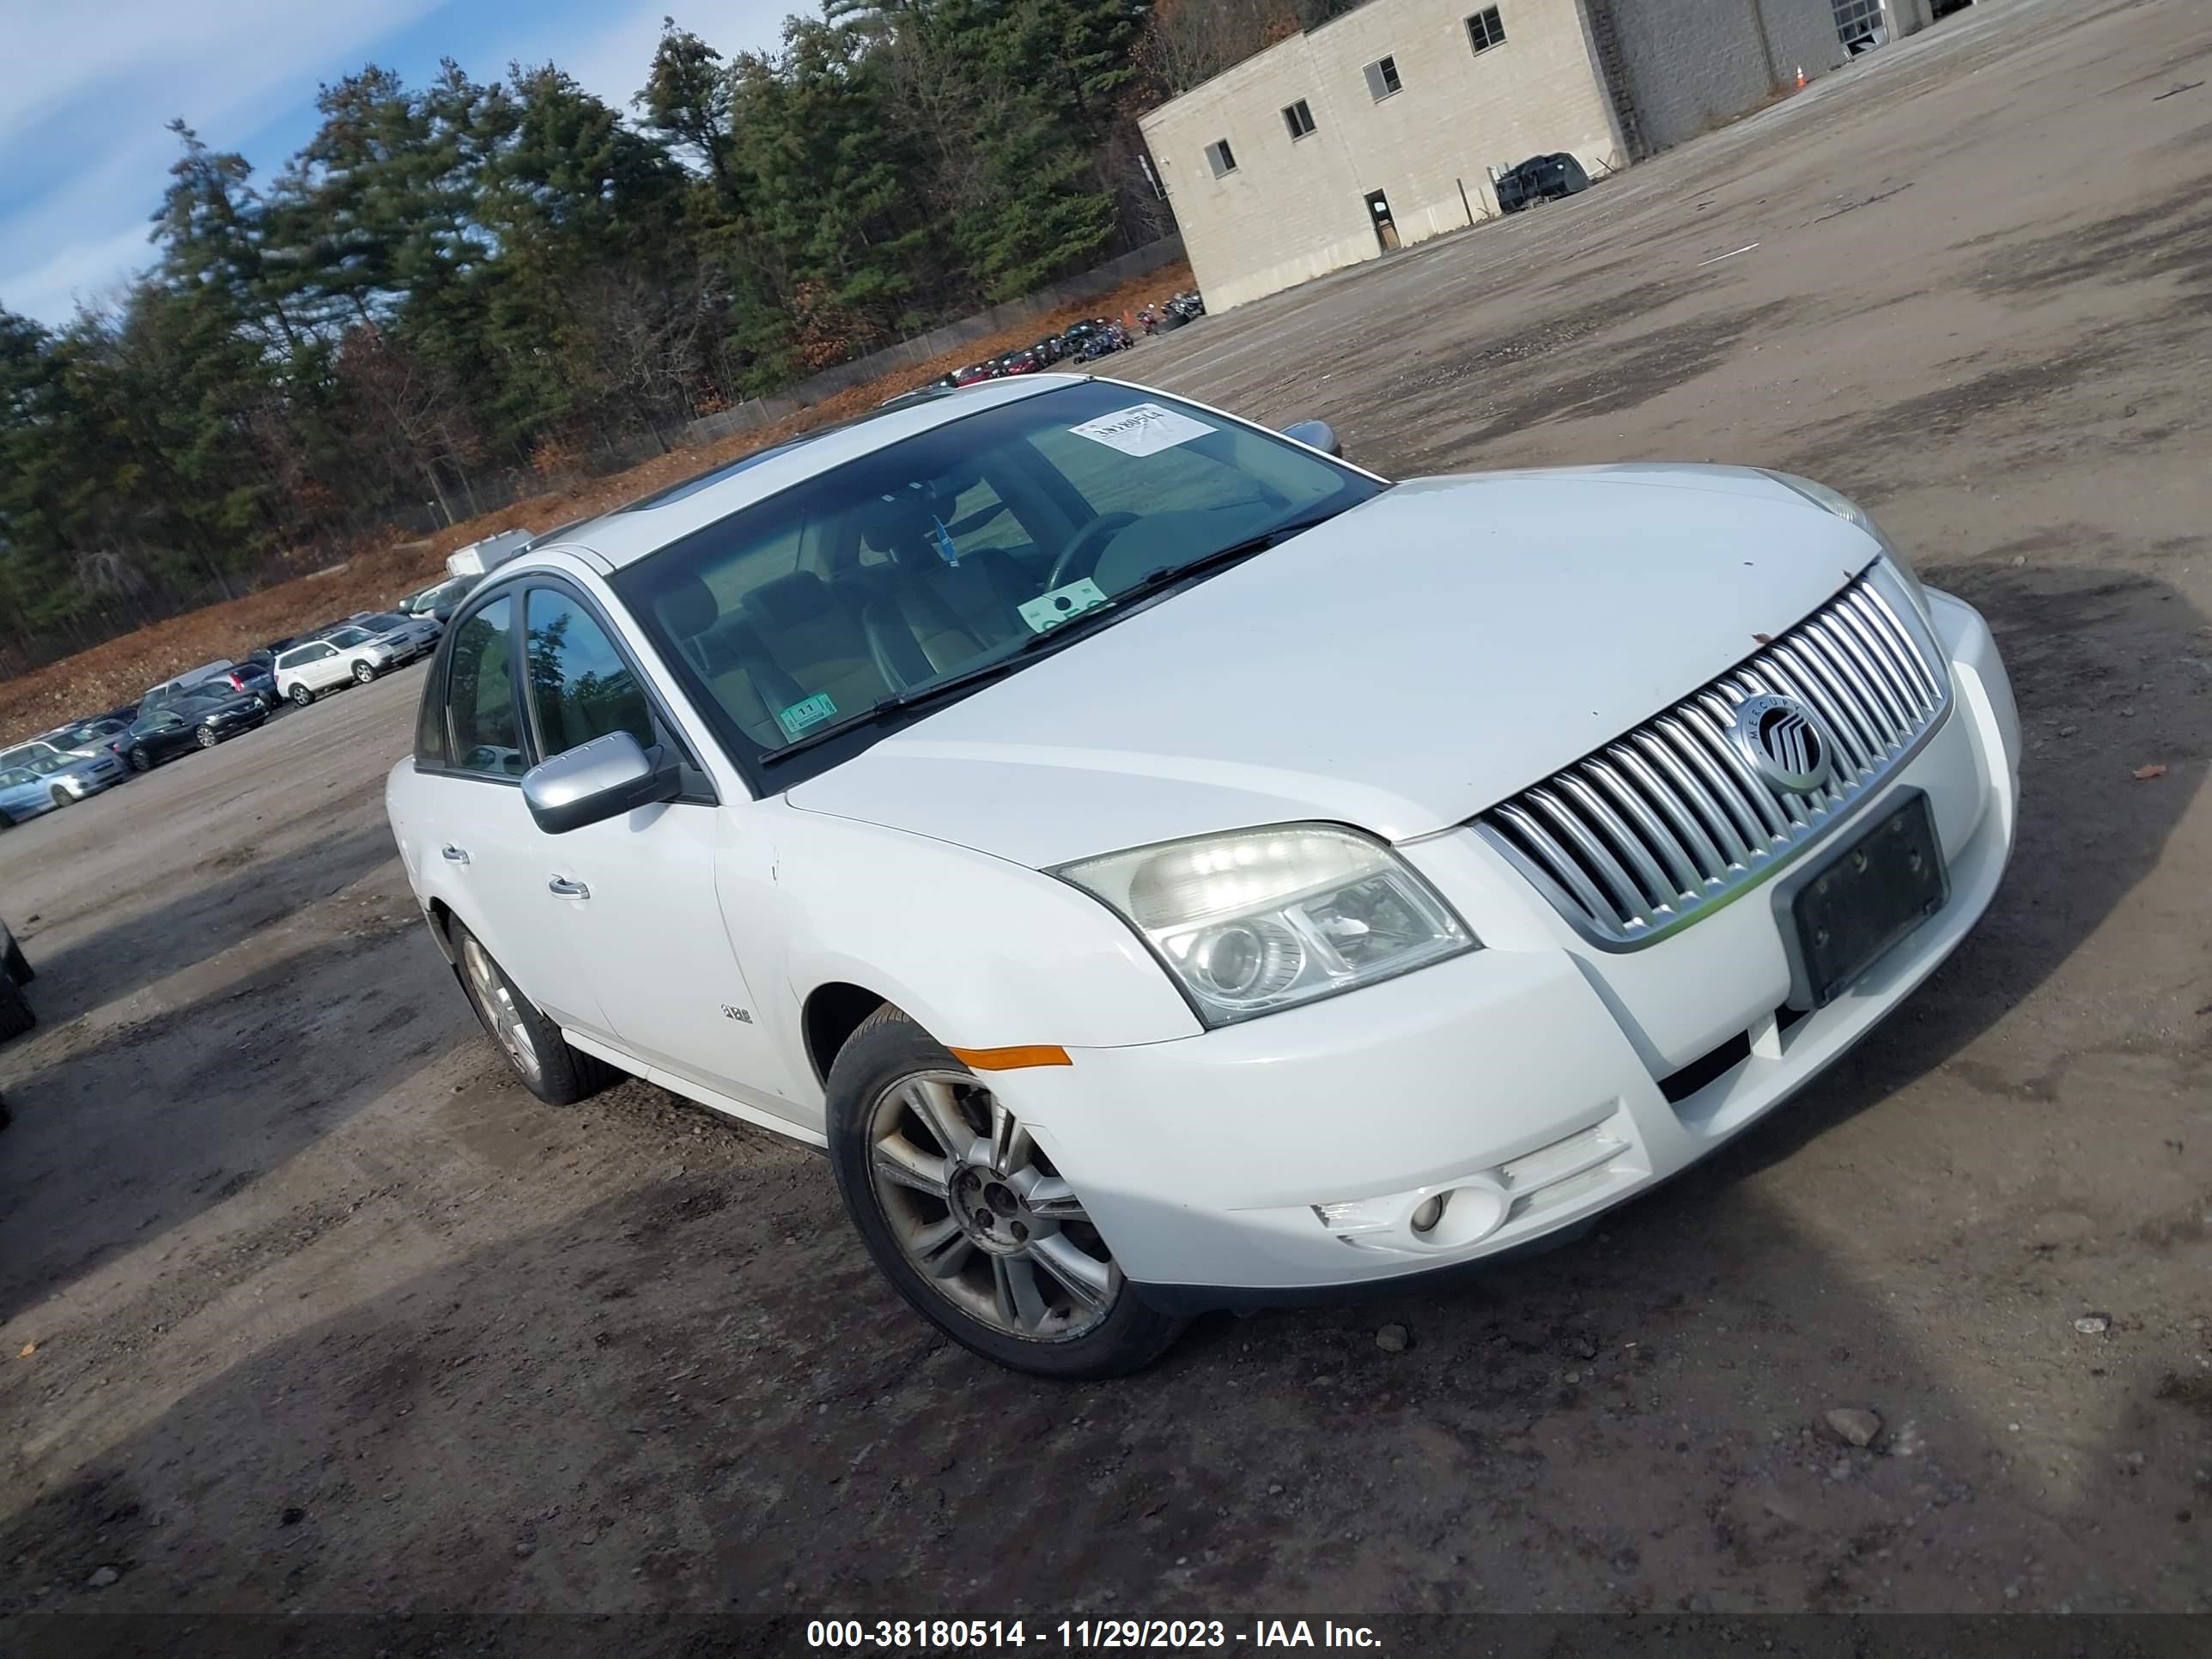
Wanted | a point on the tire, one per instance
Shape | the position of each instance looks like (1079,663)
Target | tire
(61,797)
(889,1061)
(16,1015)
(18,966)
(205,736)
(141,760)
(363,672)
(302,694)
(539,1055)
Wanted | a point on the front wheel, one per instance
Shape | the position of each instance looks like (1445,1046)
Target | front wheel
(533,1045)
(205,736)
(967,1217)
(61,797)
(363,672)
(17,965)
(141,760)
(300,694)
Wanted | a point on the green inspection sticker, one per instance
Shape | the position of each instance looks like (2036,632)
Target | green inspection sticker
(800,715)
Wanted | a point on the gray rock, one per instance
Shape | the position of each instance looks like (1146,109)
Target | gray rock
(101,1578)
(1392,1339)
(1852,1426)
(2093,1324)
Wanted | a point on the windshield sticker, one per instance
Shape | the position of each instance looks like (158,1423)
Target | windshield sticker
(1048,610)
(1142,429)
(800,715)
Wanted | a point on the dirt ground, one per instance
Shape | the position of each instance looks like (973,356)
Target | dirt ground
(375,575)
(308,1310)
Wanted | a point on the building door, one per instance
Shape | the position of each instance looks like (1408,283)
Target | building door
(1385,229)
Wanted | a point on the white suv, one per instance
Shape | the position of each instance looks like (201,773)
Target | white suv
(1169,867)
(343,655)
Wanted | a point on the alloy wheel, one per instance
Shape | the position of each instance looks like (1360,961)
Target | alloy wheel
(301,696)
(488,985)
(204,736)
(977,1207)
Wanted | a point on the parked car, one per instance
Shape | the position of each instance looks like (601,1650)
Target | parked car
(1019,363)
(199,719)
(976,373)
(1539,178)
(252,674)
(1048,350)
(184,685)
(410,637)
(55,780)
(31,749)
(418,602)
(93,736)
(1130,960)
(348,654)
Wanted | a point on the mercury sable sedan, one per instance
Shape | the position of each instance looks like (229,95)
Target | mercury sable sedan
(1168,867)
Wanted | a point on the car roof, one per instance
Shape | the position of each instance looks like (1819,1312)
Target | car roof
(629,533)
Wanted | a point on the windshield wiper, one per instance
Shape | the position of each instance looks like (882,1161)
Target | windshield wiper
(1066,632)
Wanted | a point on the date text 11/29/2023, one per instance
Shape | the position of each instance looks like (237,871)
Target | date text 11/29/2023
(991,1635)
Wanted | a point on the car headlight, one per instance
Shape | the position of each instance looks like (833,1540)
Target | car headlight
(1257,920)
(1843,507)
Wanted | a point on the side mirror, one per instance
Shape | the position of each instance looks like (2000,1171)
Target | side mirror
(1316,434)
(594,781)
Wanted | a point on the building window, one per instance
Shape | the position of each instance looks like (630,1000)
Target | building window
(1218,158)
(1484,31)
(1382,78)
(1298,118)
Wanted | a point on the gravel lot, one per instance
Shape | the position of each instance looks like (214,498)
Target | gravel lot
(307,1308)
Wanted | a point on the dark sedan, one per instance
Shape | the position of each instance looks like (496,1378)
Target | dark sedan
(196,720)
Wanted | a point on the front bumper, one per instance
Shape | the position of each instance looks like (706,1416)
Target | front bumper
(1537,1082)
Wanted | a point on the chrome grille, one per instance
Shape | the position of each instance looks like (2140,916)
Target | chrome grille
(1662,824)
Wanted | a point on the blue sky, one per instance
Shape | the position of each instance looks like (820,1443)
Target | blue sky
(87,86)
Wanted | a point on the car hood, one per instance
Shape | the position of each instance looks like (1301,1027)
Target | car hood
(1399,668)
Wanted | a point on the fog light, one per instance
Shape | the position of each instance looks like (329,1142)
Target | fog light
(1428,1212)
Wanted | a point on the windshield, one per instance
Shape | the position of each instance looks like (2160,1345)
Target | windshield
(54,763)
(947,553)
(347,635)
(93,732)
(384,625)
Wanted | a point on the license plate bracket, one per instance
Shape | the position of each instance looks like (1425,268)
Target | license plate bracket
(1842,915)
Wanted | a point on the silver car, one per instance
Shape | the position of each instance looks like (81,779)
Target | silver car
(410,637)
(55,780)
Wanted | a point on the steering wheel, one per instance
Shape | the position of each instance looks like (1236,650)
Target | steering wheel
(1091,539)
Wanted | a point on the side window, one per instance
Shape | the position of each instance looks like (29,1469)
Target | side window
(480,694)
(580,688)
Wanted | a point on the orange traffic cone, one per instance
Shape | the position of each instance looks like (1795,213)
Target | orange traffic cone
(1800,77)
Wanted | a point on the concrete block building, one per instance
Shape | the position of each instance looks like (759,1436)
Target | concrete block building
(1385,125)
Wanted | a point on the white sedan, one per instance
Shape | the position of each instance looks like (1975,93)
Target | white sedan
(350,655)
(1169,867)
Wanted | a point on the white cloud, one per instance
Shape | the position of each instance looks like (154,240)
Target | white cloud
(84,91)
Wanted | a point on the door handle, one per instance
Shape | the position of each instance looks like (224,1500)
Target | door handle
(453,854)
(567,889)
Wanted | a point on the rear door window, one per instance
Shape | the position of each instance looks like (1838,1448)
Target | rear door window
(480,694)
